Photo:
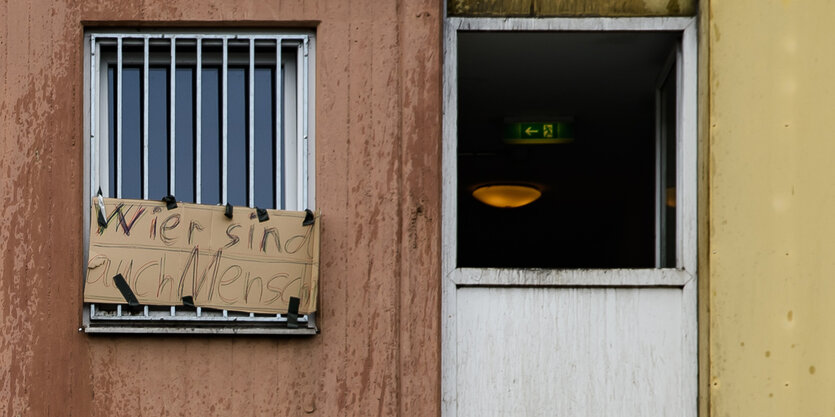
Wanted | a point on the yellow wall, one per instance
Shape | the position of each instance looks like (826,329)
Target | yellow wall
(771,193)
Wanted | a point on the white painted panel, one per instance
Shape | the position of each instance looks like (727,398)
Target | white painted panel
(569,352)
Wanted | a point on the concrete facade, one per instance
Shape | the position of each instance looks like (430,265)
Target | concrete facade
(766,94)
(378,178)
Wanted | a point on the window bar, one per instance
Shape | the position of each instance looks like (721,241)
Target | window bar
(225,129)
(119,130)
(251,122)
(172,107)
(119,118)
(145,77)
(94,145)
(301,158)
(304,200)
(198,128)
(279,107)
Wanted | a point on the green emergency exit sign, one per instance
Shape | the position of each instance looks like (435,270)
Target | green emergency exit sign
(538,132)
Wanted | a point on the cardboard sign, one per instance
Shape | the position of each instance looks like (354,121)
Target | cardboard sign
(240,264)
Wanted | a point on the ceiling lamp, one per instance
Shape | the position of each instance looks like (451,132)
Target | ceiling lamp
(507,195)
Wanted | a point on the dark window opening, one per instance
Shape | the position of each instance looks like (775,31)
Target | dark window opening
(600,204)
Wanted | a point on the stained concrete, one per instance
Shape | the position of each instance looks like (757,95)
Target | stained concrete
(378,186)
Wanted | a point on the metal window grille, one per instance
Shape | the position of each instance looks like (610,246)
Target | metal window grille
(212,118)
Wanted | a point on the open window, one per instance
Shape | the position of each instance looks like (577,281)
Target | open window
(210,117)
(573,116)
(569,227)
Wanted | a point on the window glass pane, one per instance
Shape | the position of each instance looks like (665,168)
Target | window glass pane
(210,151)
(131,133)
(264,138)
(111,130)
(237,163)
(267,147)
(158,88)
(290,192)
(185,135)
(668,144)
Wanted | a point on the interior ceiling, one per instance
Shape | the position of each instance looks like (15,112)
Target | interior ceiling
(598,192)
(567,72)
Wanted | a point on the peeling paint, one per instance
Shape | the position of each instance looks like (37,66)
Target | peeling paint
(378,183)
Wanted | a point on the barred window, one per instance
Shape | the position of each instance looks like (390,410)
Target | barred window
(214,117)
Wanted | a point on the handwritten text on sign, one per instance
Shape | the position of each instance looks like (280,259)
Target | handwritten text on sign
(239,264)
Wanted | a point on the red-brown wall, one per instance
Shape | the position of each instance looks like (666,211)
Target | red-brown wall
(378,186)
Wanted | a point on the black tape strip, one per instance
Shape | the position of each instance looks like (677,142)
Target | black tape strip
(262,214)
(228,212)
(293,313)
(170,201)
(124,288)
(101,219)
(309,219)
(188,301)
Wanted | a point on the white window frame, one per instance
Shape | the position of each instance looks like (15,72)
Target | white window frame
(683,276)
(299,133)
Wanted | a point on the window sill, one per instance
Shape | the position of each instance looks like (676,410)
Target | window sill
(160,321)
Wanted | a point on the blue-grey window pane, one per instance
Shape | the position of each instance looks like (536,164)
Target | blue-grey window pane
(131,133)
(237,166)
(264,139)
(158,89)
(212,162)
(210,143)
(185,135)
(111,130)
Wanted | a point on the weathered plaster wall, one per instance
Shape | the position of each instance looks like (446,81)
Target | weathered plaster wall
(703,206)
(772,195)
(378,185)
(541,8)
(768,198)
